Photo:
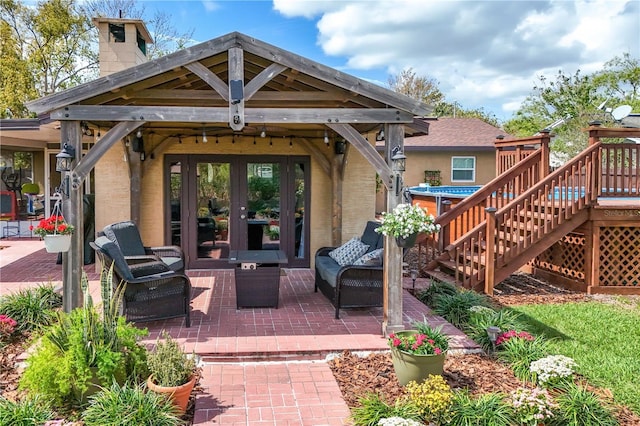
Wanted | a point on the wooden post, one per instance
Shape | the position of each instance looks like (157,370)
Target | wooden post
(489,254)
(392,299)
(336,201)
(544,146)
(445,232)
(72,204)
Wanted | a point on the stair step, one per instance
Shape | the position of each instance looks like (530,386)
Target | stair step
(438,275)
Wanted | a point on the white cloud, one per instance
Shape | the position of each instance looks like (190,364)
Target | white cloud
(210,6)
(484,53)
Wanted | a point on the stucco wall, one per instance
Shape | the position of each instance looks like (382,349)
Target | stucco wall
(112,187)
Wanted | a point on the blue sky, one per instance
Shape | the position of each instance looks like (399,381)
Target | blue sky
(484,54)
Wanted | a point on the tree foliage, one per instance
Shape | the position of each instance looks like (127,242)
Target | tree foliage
(567,103)
(426,89)
(51,46)
(45,49)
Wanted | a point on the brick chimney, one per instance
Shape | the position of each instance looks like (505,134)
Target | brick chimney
(122,43)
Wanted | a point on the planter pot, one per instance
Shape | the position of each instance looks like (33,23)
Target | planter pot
(57,243)
(410,367)
(408,242)
(179,395)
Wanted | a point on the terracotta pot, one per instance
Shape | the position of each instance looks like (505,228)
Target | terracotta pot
(408,242)
(411,367)
(57,243)
(179,395)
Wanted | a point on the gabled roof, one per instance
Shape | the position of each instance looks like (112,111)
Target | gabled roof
(454,134)
(185,78)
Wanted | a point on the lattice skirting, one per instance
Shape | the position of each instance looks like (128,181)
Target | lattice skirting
(616,257)
(619,259)
(566,258)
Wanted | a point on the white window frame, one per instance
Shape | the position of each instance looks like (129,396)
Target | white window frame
(473,170)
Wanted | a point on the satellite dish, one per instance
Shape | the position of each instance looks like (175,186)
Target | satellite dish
(621,112)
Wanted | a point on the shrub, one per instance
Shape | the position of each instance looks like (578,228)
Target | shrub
(429,295)
(489,409)
(129,405)
(169,365)
(432,397)
(373,408)
(580,407)
(455,308)
(553,370)
(519,353)
(27,412)
(32,308)
(532,406)
(398,421)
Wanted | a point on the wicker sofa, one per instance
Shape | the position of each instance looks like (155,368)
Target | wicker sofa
(351,286)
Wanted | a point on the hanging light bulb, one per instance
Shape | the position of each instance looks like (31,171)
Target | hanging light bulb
(270,140)
(263,133)
(204,136)
(98,131)
(196,139)
(290,141)
(254,139)
(326,137)
(180,139)
(233,138)
(216,138)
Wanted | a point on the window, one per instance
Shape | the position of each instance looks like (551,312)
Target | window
(117,33)
(463,169)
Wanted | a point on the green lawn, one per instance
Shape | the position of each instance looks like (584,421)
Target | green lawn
(603,339)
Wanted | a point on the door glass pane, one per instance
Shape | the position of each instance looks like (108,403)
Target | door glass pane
(212,207)
(299,211)
(175,200)
(263,206)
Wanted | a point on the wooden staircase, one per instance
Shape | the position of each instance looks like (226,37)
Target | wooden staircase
(517,215)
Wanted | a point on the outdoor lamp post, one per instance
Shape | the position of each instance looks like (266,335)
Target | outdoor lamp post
(492,332)
(398,165)
(414,275)
(65,157)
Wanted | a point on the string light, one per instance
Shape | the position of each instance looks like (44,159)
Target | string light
(204,136)
(216,138)
(326,137)
(263,133)
(139,134)
(290,141)
(270,140)
(196,139)
(179,139)
(254,139)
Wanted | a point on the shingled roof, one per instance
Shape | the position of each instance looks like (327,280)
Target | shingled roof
(454,134)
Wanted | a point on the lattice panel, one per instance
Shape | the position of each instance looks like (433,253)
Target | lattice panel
(619,256)
(565,258)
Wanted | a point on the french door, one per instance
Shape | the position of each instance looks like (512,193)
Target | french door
(219,203)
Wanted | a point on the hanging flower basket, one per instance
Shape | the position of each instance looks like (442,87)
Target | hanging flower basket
(406,222)
(57,243)
(408,242)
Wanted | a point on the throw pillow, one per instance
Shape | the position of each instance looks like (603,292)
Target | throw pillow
(373,258)
(349,252)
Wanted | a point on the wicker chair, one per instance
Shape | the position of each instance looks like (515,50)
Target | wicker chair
(127,237)
(153,291)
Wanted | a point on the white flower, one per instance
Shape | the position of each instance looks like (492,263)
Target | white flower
(398,421)
(407,219)
(552,367)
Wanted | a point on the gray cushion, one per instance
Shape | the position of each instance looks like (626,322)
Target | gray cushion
(127,237)
(373,258)
(175,263)
(371,237)
(119,263)
(328,269)
(349,252)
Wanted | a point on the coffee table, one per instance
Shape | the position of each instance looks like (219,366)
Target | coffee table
(257,276)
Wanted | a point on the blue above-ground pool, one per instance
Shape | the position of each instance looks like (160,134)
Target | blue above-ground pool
(449,191)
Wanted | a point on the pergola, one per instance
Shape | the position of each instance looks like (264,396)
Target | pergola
(235,85)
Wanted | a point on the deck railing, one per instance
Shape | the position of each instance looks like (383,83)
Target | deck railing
(510,231)
(620,165)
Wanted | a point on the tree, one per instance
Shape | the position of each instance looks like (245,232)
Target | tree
(426,89)
(423,88)
(51,42)
(568,103)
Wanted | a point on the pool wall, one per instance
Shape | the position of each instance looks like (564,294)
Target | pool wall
(432,197)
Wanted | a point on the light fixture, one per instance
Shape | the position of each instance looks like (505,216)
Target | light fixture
(98,131)
(380,134)
(414,276)
(204,136)
(263,133)
(65,157)
(492,332)
(290,141)
(339,146)
(180,139)
(196,139)
(139,134)
(399,161)
(86,130)
(326,137)
(270,140)
(254,139)
(216,138)
(233,138)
